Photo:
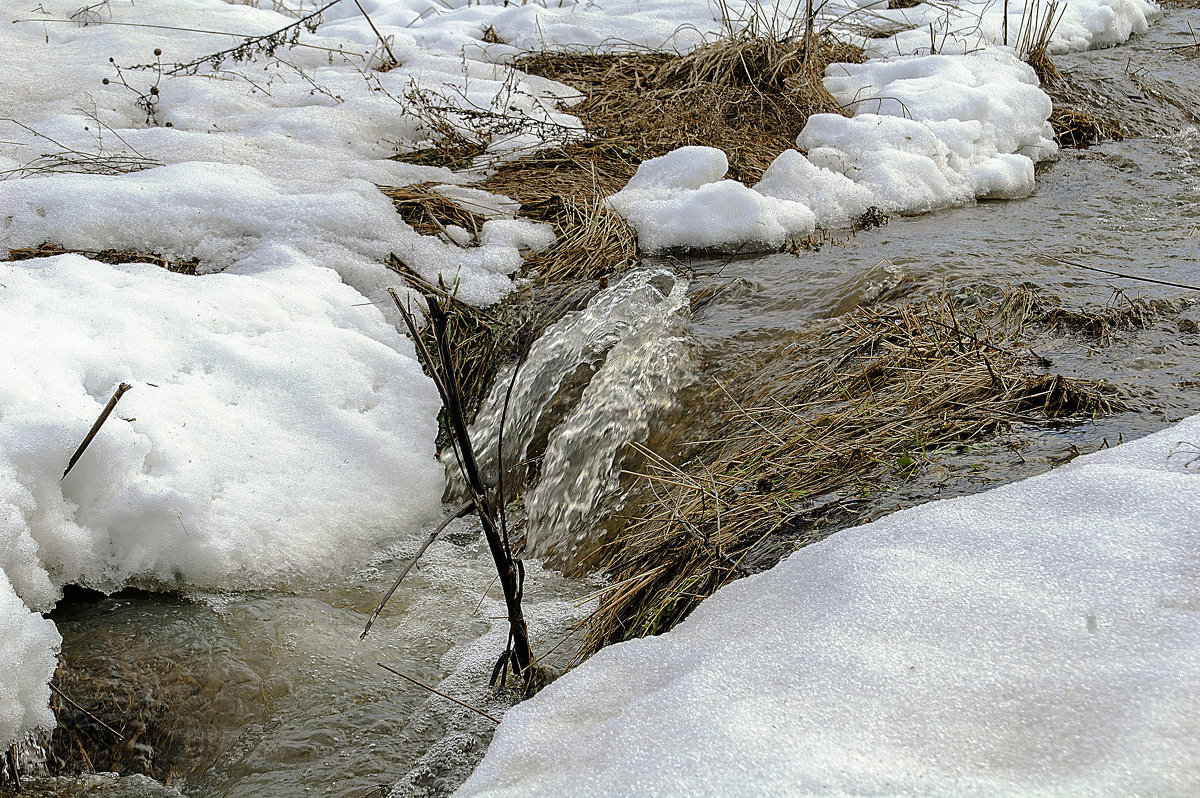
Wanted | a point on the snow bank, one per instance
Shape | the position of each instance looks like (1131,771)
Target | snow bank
(968,25)
(275,430)
(1037,639)
(283,150)
(926,132)
(28,656)
(680,200)
(225,215)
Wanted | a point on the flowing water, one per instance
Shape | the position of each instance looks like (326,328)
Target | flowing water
(273,694)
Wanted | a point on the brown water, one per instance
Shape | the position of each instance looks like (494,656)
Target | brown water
(272,695)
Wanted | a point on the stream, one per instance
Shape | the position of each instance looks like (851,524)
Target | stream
(272,694)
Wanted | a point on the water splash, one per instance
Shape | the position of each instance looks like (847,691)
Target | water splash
(591,384)
(582,465)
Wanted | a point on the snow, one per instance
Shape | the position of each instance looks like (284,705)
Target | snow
(679,200)
(28,656)
(968,26)
(927,132)
(273,430)
(278,426)
(1037,639)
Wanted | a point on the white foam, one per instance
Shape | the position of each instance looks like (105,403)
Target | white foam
(1037,639)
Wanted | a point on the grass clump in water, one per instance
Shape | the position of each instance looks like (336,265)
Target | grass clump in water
(833,415)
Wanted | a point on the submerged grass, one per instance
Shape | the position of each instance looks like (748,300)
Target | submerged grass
(812,434)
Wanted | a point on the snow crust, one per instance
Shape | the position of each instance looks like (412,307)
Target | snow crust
(1037,639)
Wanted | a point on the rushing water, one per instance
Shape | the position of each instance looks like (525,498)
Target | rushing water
(273,694)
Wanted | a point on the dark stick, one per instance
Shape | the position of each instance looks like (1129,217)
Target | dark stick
(500,457)
(459,513)
(13,765)
(438,692)
(378,35)
(506,567)
(104,414)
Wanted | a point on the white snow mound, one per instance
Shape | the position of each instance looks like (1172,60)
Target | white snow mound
(28,656)
(927,132)
(274,430)
(1037,639)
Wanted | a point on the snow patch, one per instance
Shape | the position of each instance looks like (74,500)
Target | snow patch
(1037,639)
(276,428)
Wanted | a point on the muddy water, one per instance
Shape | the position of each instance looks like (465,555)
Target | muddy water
(270,695)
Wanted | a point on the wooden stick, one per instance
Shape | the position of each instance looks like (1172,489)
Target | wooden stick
(104,414)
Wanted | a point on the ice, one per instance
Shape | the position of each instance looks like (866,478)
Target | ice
(1036,639)
(28,656)
(277,428)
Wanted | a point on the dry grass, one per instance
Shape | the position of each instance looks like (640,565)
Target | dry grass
(430,212)
(811,434)
(112,256)
(593,240)
(747,95)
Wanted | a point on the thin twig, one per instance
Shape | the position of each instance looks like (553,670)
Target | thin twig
(459,513)
(67,698)
(104,414)
(1077,265)
(439,692)
(378,35)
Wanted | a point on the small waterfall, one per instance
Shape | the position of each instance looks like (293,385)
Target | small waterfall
(591,384)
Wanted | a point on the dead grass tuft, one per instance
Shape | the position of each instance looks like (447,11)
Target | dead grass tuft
(747,95)
(1122,312)
(430,212)
(593,240)
(811,435)
(113,256)
(1077,129)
